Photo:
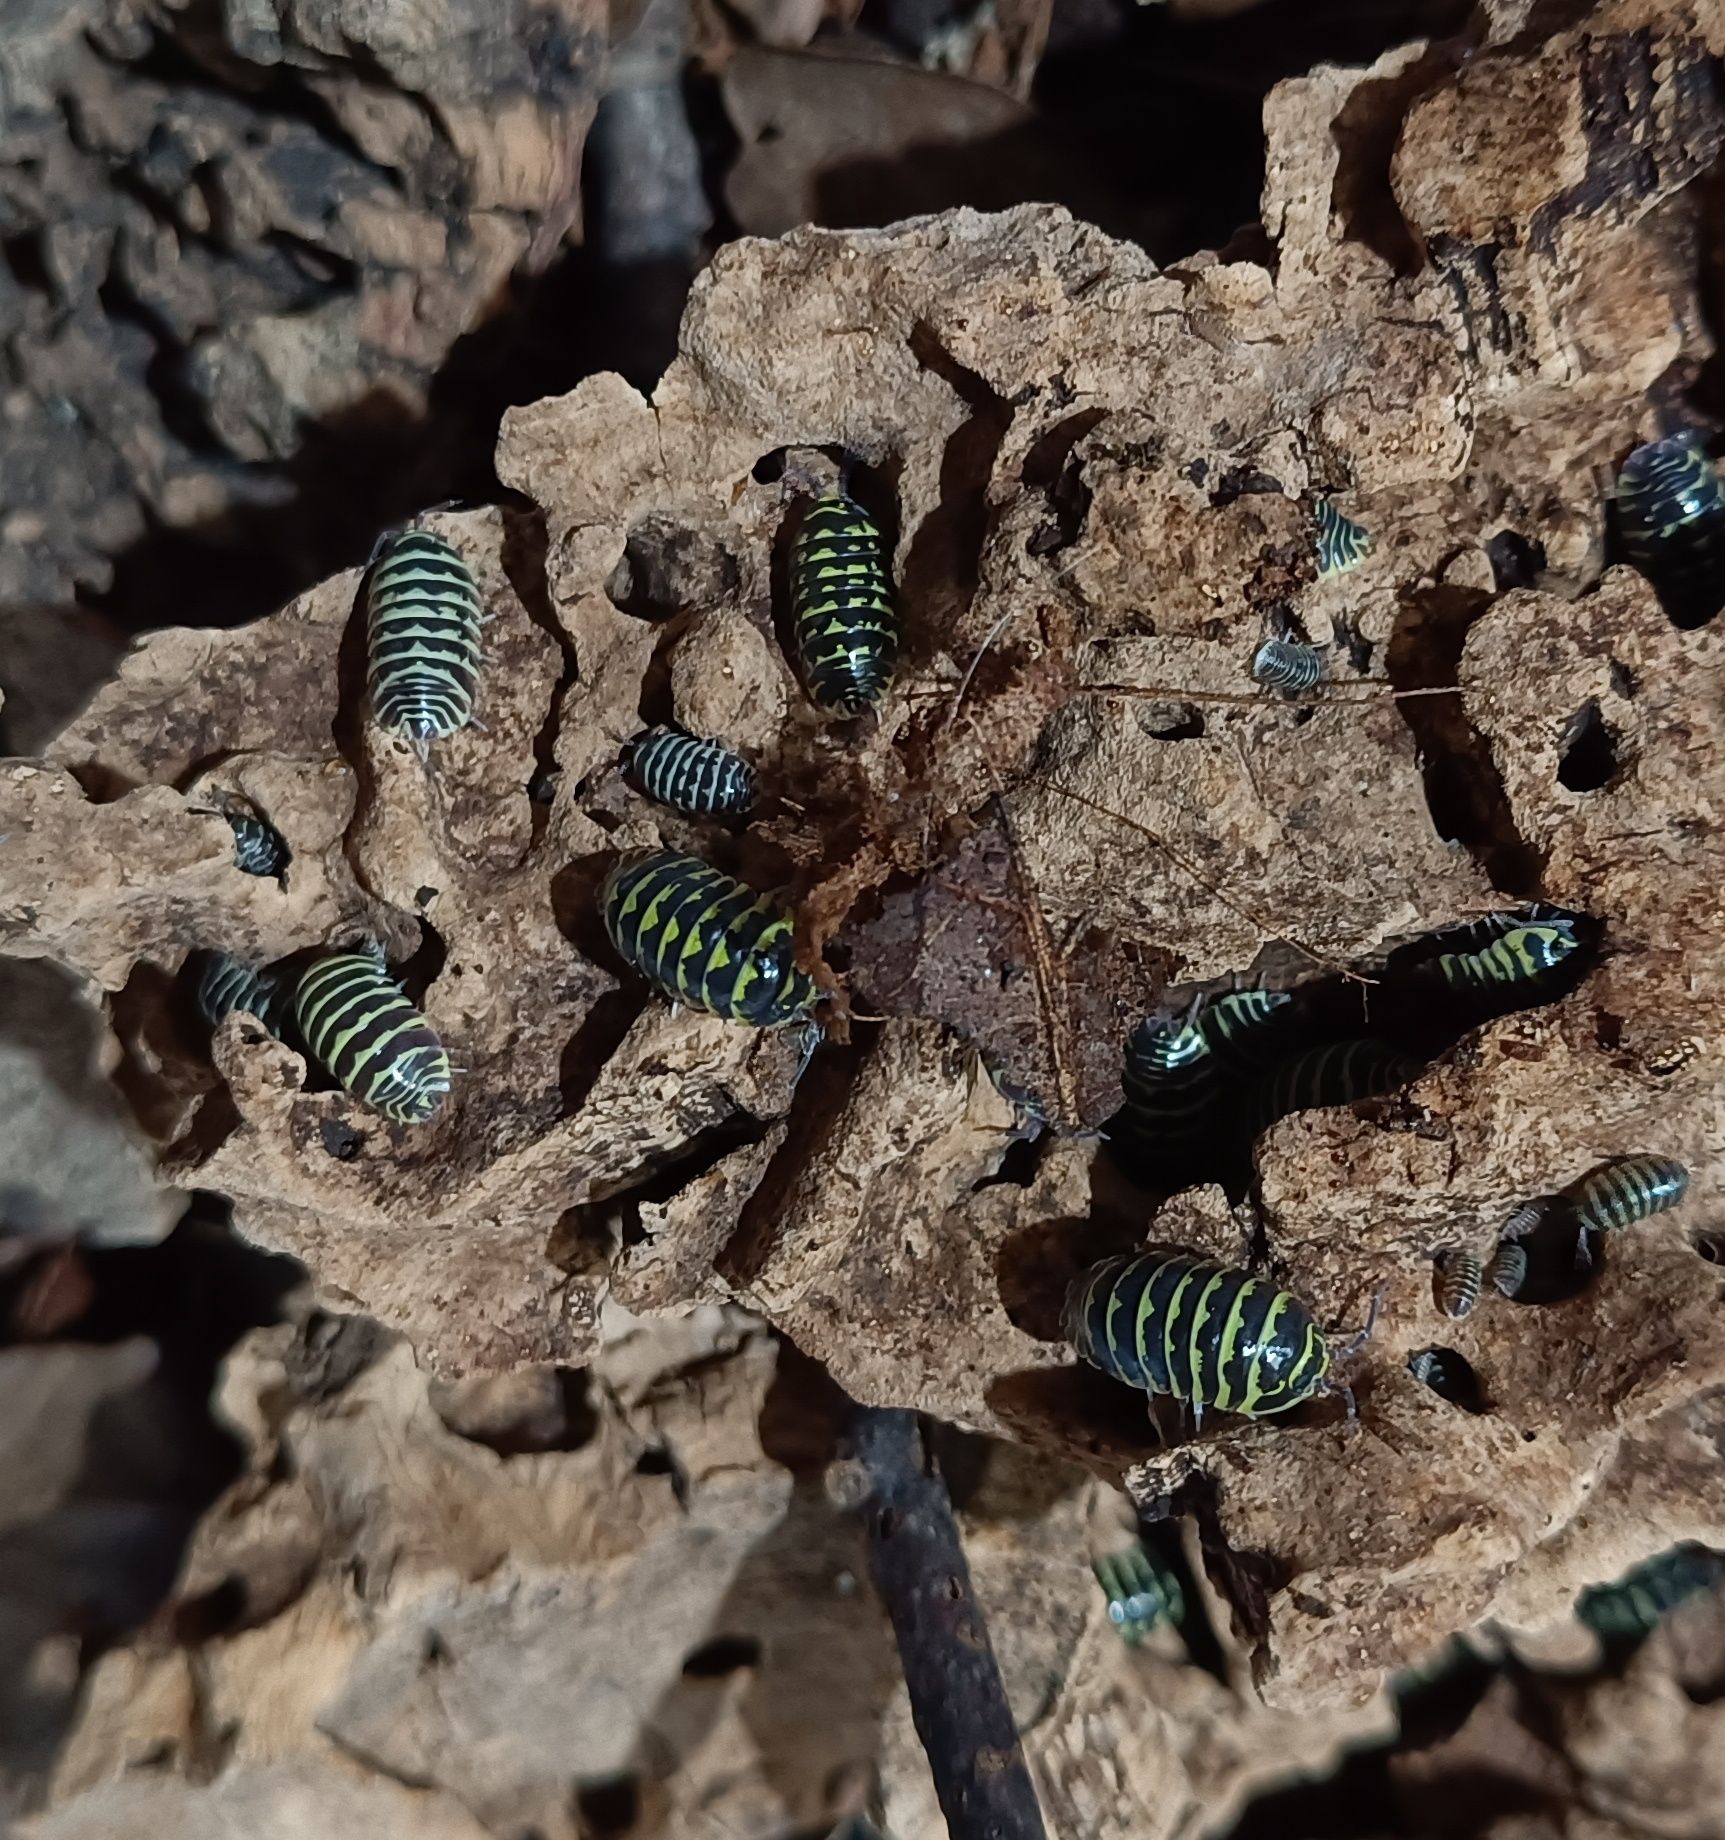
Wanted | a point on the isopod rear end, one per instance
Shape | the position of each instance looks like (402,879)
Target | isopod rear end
(846,625)
(706,939)
(422,624)
(368,1037)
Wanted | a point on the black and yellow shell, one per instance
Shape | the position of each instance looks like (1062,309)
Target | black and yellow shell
(422,630)
(1176,1073)
(1626,1192)
(1518,952)
(359,1027)
(1247,1030)
(1671,518)
(1142,1594)
(1635,1604)
(1340,1073)
(1172,1324)
(841,600)
(1485,930)
(706,939)
(1169,1080)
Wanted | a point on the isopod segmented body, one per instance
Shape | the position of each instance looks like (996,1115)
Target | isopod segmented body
(259,848)
(1626,1192)
(1288,666)
(1246,1029)
(706,939)
(1142,1595)
(1485,930)
(1342,544)
(841,599)
(1522,952)
(1237,1033)
(1171,1324)
(226,984)
(1340,1073)
(1508,1268)
(1525,1217)
(1459,1275)
(1174,1072)
(1169,1080)
(1671,516)
(689,774)
(1635,1604)
(1442,1370)
(422,620)
(365,1033)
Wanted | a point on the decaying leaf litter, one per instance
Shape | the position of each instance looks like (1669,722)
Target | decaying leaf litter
(1063,433)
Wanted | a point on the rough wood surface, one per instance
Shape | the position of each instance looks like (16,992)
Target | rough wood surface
(571,1603)
(239,243)
(1098,478)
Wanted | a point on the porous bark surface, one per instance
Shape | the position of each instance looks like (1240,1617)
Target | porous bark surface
(1098,480)
(238,243)
(575,1604)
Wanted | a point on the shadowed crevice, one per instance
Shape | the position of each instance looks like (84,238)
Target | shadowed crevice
(1463,786)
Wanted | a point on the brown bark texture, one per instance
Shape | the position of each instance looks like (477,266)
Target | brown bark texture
(239,242)
(1478,269)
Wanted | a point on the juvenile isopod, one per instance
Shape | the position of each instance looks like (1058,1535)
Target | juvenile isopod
(1636,1604)
(1142,1594)
(259,848)
(701,777)
(1459,1276)
(1508,1268)
(1342,544)
(1288,665)
(225,984)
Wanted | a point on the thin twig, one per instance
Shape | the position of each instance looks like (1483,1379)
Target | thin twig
(958,697)
(1248,699)
(988,640)
(957,1699)
(1173,694)
(1036,926)
(1237,907)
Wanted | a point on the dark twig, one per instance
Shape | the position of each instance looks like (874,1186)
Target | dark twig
(956,1695)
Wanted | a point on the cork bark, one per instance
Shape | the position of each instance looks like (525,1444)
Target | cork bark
(1478,269)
